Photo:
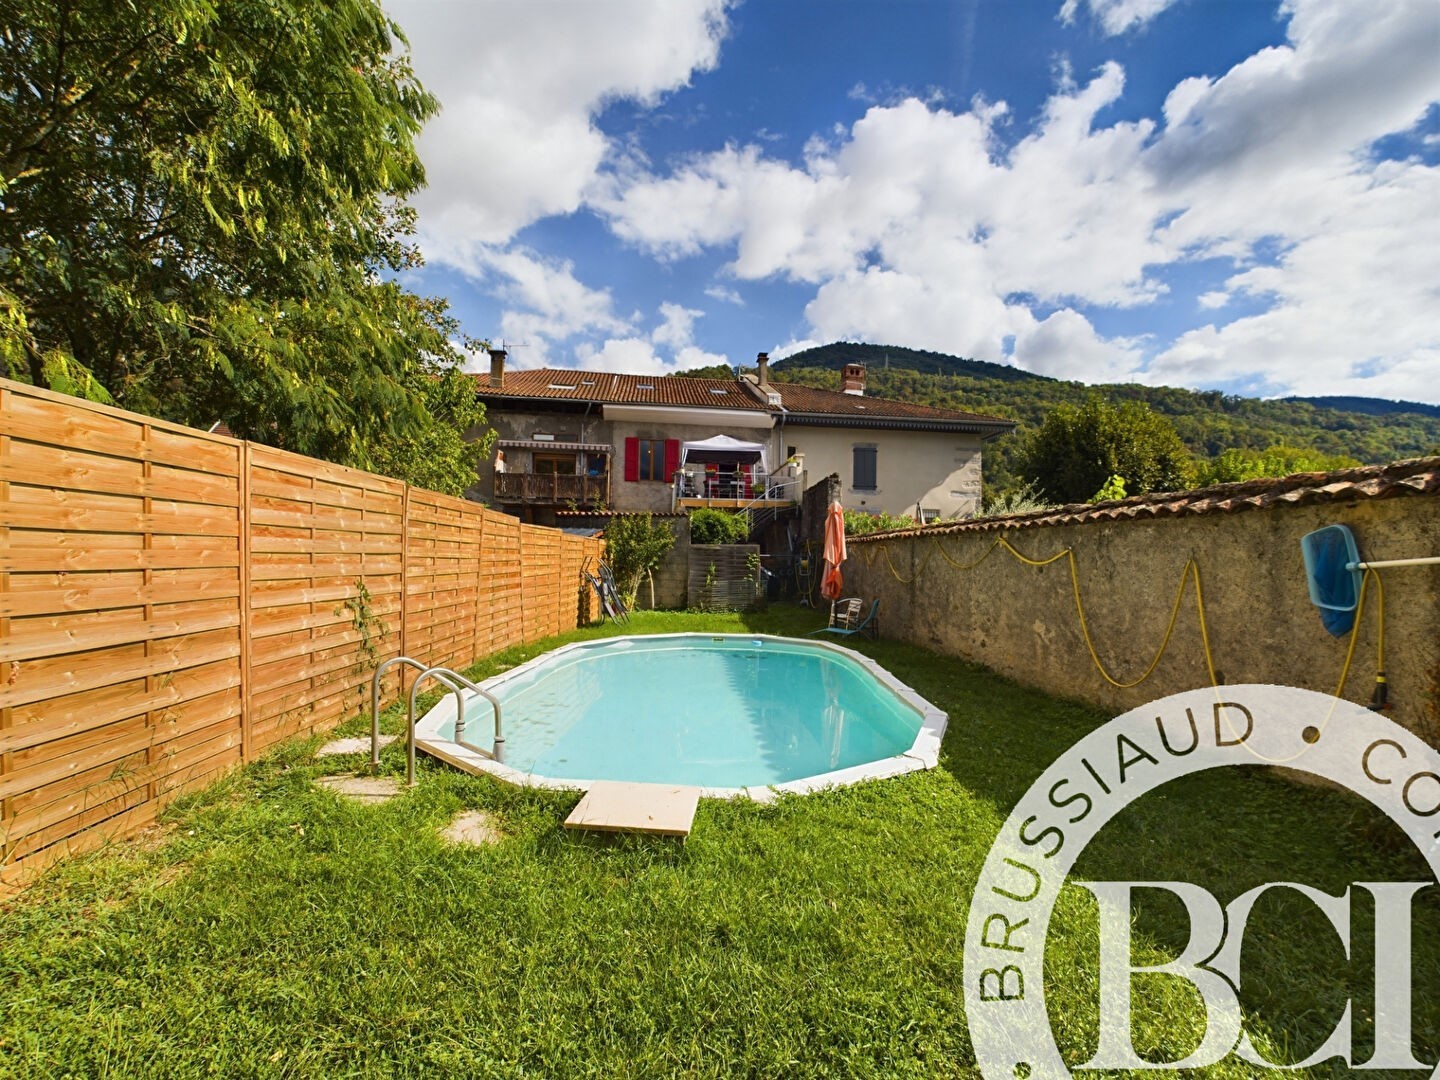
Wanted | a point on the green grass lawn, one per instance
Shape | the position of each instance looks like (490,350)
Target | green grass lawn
(274,930)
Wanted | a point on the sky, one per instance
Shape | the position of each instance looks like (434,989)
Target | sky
(1240,195)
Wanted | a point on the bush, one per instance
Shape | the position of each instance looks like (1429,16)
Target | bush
(636,543)
(1022,500)
(1279,460)
(859,522)
(709,526)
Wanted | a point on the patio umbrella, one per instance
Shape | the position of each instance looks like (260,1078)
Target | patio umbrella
(831,582)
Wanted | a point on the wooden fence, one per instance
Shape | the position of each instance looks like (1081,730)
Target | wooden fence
(173,602)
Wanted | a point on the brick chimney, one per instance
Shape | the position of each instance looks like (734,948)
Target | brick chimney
(852,379)
(497,367)
(762,362)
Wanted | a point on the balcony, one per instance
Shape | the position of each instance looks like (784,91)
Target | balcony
(552,489)
(693,489)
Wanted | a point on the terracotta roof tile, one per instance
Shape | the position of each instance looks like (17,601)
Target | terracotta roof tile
(568,384)
(809,399)
(1415,476)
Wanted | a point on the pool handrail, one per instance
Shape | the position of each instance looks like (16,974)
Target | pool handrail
(454,680)
(375,703)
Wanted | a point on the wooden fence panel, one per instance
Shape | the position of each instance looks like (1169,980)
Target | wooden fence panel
(442,558)
(120,620)
(327,565)
(500,579)
(537,574)
(573,551)
(174,602)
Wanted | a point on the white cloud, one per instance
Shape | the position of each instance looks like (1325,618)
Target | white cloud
(544,303)
(918,225)
(692,356)
(1353,305)
(631,356)
(725,294)
(516,140)
(677,327)
(1116,16)
(1066,346)
(794,345)
(1351,73)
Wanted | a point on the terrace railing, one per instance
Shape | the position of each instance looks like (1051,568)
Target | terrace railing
(555,488)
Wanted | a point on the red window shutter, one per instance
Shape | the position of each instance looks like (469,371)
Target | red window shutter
(672,459)
(632,460)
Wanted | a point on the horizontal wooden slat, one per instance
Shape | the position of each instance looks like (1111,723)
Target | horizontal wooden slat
(125,607)
(95,597)
(39,680)
(110,632)
(60,717)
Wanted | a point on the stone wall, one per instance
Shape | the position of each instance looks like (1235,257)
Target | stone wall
(813,507)
(960,592)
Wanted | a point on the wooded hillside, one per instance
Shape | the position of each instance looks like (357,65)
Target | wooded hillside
(1208,421)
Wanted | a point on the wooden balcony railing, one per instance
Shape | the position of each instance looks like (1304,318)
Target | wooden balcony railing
(551,488)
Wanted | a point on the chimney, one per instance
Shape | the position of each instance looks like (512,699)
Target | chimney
(762,361)
(852,379)
(497,367)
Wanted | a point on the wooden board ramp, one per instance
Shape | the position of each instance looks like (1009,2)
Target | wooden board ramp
(617,806)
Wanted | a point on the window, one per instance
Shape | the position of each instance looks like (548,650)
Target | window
(862,476)
(927,515)
(651,459)
(548,464)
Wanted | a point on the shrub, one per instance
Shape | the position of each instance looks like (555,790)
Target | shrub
(861,522)
(709,526)
(1279,460)
(636,543)
(1022,500)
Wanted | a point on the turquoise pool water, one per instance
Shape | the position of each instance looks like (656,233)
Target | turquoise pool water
(712,712)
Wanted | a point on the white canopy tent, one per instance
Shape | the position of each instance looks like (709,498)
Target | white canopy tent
(723,448)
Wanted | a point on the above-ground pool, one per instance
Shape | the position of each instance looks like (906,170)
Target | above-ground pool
(727,713)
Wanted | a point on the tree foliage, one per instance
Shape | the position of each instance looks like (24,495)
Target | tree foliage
(711,526)
(1243,464)
(202,218)
(861,523)
(1079,449)
(1208,422)
(636,544)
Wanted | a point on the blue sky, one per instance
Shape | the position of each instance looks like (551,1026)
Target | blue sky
(1232,194)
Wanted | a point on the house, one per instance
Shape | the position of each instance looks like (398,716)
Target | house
(571,439)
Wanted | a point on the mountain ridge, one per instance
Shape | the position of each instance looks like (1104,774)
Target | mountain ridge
(1209,422)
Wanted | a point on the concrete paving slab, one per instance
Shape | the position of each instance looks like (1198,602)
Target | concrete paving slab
(364,789)
(358,745)
(474,827)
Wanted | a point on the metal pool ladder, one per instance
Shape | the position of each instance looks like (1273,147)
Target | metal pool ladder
(454,682)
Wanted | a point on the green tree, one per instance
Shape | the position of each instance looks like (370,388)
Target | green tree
(202,218)
(1078,449)
(636,544)
(1242,464)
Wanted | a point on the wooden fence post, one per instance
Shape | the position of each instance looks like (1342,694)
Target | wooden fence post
(247,612)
